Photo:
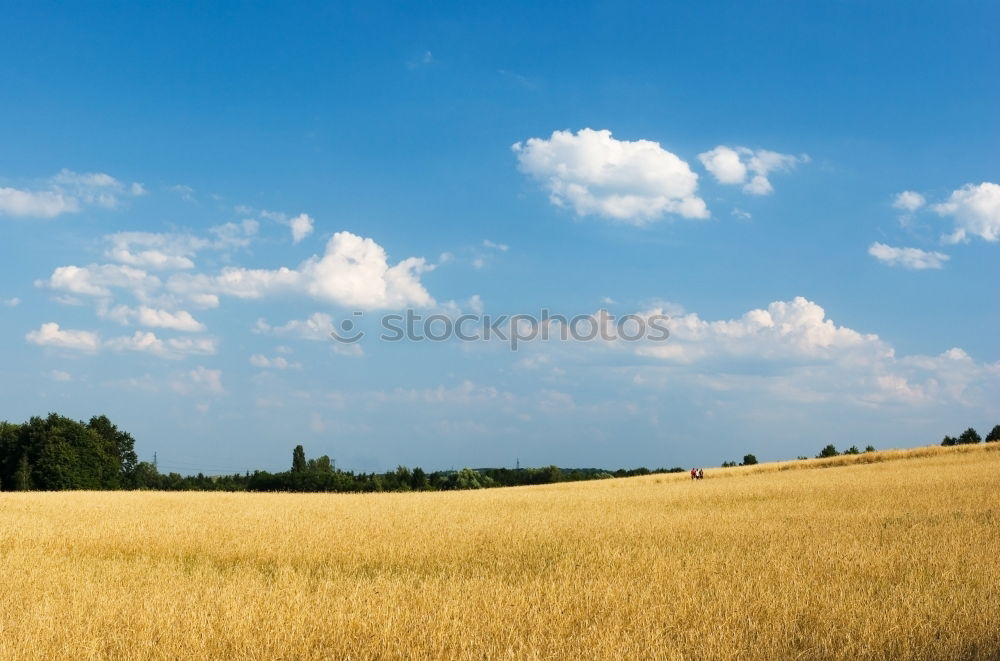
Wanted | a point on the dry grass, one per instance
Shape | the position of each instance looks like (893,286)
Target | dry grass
(887,560)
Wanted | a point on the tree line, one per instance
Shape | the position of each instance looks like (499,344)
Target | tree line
(57,453)
(971,436)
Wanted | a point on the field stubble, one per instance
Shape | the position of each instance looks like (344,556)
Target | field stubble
(896,559)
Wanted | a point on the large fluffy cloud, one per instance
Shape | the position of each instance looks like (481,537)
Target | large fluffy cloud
(593,173)
(794,352)
(909,258)
(976,211)
(354,271)
(796,329)
(66,192)
(733,165)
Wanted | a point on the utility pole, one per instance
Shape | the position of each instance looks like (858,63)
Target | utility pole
(518,463)
(154,460)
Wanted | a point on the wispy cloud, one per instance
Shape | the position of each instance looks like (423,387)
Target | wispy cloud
(67,192)
(909,258)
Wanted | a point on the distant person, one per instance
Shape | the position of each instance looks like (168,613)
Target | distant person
(701,474)
(694,473)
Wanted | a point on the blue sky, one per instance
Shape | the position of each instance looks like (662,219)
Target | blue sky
(810,192)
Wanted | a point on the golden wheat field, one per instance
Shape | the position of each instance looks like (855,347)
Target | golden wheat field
(896,559)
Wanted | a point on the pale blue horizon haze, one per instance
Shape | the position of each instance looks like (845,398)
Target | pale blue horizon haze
(192,197)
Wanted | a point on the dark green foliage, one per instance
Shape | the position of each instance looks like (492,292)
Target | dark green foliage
(969,437)
(852,450)
(728,464)
(122,442)
(994,435)
(321,464)
(299,460)
(749,460)
(828,451)
(22,477)
(948,440)
(418,479)
(145,476)
(55,453)
(869,448)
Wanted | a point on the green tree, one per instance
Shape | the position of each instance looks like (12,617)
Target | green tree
(749,460)
(145,476)
(869,448)
(403,478)
(10,453)
(418,479)
(852,450)
(994,435)
(298,459)
(122,444)
(828,451)
(66,454)
(969,436)
(949,440)
(22,478)
(551,474)
(468,478)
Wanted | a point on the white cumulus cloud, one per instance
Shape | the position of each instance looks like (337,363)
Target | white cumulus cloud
(181,320)
(794,353)
(796,329)
(976,211)
(741,165)
(909,258)
(354,271)
(40,204)
(302,226)
(908,200)
(596,174)
(99,279)
(153,250)
(51,335)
